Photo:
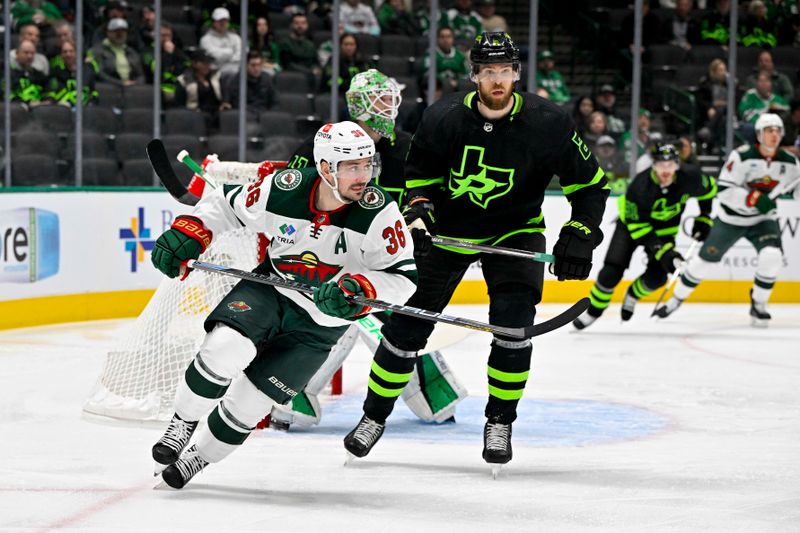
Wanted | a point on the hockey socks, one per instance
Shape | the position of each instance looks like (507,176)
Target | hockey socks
(390,372)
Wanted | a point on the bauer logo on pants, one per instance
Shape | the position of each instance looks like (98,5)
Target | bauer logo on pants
(29,245)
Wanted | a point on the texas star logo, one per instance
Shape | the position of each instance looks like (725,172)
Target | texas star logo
(373,199)
(305,267)
(288,179)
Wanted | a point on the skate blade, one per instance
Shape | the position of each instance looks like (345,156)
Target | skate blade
(349,458)
(759,323)
(162,485)
(496,470)
(158,468)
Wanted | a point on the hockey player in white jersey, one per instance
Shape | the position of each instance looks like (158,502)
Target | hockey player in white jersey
(330,228)
(749,183)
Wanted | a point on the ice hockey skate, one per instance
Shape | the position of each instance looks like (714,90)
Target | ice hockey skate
(628,304)
(584,321)
(177,475)
(169,447)
(758,312)
(363,437)
(669,307)
(496,445)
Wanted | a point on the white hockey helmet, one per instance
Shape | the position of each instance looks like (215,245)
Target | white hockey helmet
(768,120)
(343,141)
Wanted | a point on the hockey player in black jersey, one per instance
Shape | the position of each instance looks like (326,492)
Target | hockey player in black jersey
(650,216)
(477,170)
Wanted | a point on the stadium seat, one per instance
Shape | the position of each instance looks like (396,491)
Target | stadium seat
(137,120)
(56,118)
(130,145)
(44,143)
(397,45)
(138,96)
(137,172)
(36,170)
(101,171)
(273,123)
(185,121)
(93,145)
(100,120)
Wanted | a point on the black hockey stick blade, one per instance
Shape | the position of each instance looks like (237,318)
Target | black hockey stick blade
(157,154)
(519,333)
(558,321)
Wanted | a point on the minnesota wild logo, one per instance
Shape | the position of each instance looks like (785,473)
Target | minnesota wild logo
(238,307)
(305,267)
(483,183)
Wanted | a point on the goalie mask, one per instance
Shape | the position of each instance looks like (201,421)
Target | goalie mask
(768,120)
(374,98)
(343,141)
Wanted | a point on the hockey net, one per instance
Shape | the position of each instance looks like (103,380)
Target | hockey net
(141,373)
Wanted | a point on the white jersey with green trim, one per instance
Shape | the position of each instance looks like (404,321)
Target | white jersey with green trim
(747,170)
(368,237)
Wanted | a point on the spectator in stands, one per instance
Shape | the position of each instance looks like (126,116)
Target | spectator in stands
(260,93)
(757,29)
(117,61)
(487,13)
(598,127)
(28,84)
(680,29)
(605,150)
(451,64)
(298,52)
(199,88)
(38,12)
(686,150)
(263,41)
(350,64)
(356,17)
(584,106)
(465,23)
(791,140)
(606,101)
(715,24)
(30,32)
(542,92)
(712,99)
(62,87)
(64,31)
(396,20)
(145,30)
(651,29)
(173,63)
(624,144)
(781,85)
(790,34)
(550,79)
(113,10)
(760,100)
(224,46)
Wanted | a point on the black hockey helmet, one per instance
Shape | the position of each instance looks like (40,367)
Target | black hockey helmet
(492,47)
(664,151)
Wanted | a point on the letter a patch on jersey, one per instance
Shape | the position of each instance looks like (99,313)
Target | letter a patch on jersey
(483,183)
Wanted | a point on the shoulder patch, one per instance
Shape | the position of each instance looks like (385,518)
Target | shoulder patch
(289,179)
(373,198)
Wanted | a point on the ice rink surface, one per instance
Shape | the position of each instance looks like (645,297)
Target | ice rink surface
(688,424)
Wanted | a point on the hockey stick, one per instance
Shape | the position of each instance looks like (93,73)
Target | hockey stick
(674,277)
(500,250)
(157,154)
(519,333)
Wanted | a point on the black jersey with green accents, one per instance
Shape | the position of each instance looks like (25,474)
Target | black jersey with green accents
(368,237)
(650,211)
(393,157)
(487,178)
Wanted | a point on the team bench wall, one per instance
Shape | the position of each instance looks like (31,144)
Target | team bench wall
(83,254)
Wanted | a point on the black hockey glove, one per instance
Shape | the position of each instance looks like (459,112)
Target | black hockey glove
(701,227)
(573,250)
(668,257)
(421,222)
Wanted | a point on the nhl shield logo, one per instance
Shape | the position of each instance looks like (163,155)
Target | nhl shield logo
(288,179)
(373,198)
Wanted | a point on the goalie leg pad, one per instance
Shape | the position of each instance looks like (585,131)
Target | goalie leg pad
(433,390)
(232,421)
